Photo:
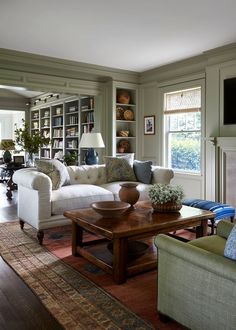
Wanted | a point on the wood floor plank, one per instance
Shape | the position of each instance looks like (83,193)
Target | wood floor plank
(19,307)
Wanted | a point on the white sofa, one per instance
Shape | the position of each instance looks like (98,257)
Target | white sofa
(42,207)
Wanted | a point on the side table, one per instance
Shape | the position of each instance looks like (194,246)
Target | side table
(8,170)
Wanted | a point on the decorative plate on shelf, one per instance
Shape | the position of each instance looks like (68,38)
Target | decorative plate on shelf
(128,114)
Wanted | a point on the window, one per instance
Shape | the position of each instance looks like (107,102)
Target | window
(182,111)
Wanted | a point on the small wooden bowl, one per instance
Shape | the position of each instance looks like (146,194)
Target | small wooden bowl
(110,209)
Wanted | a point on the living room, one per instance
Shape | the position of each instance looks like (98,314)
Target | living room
(207,68)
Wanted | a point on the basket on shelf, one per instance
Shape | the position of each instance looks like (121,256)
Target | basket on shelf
(128,114)
(123,133)
(123,97)
(119,113)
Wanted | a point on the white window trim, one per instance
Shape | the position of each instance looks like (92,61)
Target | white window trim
(164,149)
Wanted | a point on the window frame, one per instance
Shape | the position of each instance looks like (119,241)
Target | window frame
(165,147)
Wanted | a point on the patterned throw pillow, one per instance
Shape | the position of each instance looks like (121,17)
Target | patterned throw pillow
(230,247)
(56,171)
(119,169)
(143,171)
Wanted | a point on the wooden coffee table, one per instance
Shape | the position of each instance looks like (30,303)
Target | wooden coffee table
(138,224)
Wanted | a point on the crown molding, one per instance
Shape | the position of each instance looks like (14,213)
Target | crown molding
(44,65)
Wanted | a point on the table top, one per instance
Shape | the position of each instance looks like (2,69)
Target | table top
(138,221)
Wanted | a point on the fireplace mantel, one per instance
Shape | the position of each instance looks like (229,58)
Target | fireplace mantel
(226,151)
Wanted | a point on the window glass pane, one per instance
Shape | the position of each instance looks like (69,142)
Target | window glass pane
(185,121)
(184,149)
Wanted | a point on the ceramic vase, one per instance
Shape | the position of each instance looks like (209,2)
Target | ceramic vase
(128,193)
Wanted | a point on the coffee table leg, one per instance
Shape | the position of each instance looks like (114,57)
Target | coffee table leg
(120,250)
(202,229)
(77,237)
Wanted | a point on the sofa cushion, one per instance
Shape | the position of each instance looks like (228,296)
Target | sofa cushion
(230,247)
(119,169)
(114,187)
(78,196)
(87,174)
(56,171)
(143,171)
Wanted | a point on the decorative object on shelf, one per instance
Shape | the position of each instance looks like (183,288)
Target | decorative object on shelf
(7,145)
(166,198)
(71,158)
(124,144)
(110,209)
(30,142)
(91,141)
(149,125)
(129,114)
(129,193)
(123,97)
(123,133)
(121,150)
(119,113)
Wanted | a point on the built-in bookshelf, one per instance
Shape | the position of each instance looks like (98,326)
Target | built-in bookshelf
(63,120)
(124,120)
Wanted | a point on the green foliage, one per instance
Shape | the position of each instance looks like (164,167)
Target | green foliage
(185,154)
(71,158)
(30,143)
(160,193)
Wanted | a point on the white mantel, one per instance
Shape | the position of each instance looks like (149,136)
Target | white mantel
(226,150)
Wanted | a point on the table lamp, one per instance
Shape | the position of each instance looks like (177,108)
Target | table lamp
(91,141)
(7,145)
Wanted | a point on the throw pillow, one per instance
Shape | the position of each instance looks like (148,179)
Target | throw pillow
(230,247)
(143,171)
(56,171)
(119,169)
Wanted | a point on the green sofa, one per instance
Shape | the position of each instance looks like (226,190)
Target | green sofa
(196,283)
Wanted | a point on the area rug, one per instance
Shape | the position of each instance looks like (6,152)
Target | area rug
(74,300)
(139,293)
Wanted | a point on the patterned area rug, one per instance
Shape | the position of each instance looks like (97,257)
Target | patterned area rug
(74,301)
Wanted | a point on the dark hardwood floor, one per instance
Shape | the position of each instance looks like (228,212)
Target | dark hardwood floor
(20,309)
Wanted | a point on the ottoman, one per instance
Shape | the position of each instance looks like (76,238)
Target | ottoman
(222,211)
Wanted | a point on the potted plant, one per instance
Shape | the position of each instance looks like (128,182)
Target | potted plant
(166,197)
(71,158)
(30,142)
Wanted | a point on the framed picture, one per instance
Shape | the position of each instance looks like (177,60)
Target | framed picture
(18,160)
(149,125)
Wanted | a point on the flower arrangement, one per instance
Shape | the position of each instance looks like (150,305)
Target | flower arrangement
(30,143)
(163,193)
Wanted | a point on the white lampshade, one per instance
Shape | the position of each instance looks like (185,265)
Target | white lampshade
(91,140)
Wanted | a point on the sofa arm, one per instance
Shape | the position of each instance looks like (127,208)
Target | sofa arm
(33,179)
(224,228)
(202,259)
(162,174)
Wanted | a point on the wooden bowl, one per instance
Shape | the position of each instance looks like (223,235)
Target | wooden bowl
(110,209)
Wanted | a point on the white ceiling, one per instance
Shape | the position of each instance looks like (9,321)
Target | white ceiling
(128,34)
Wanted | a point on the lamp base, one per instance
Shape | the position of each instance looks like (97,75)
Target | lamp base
(7,157)
(91,157)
